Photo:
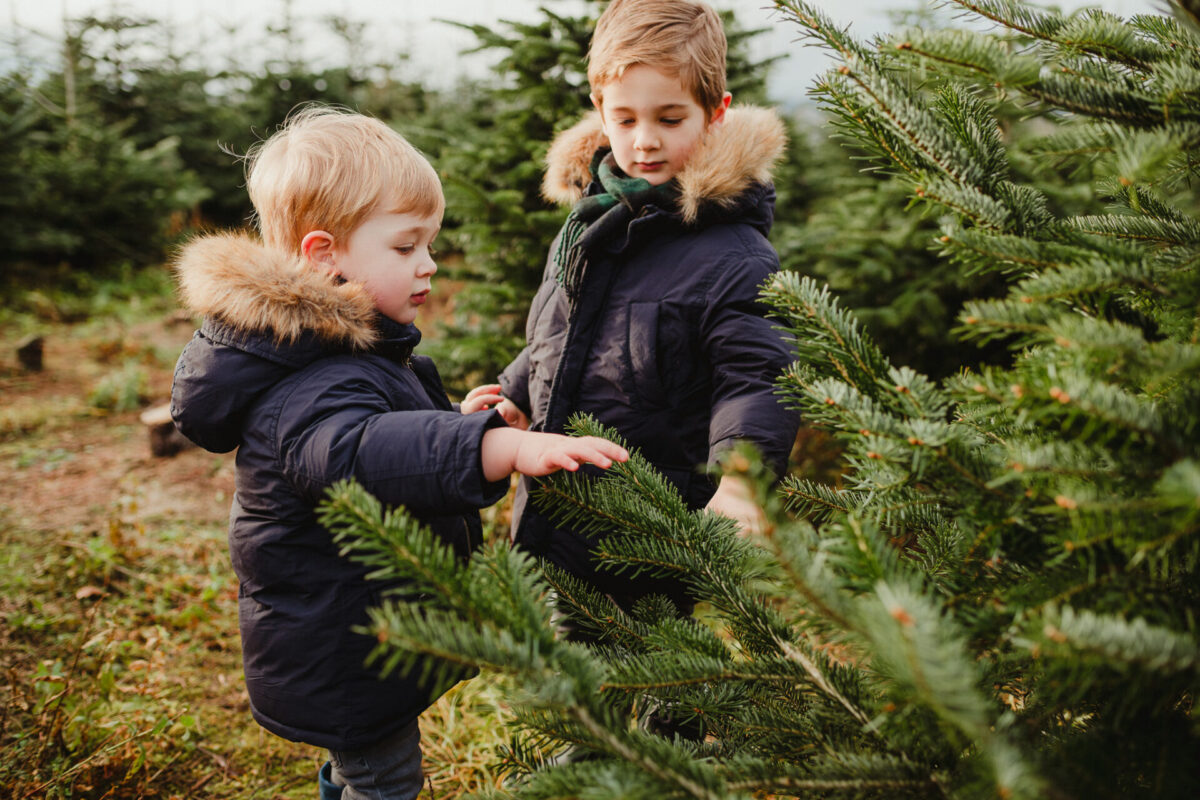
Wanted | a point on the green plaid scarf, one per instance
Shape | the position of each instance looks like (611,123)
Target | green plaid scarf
(601,215)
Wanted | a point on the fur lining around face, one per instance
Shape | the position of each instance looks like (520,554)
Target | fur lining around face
(236,279)
(741,151)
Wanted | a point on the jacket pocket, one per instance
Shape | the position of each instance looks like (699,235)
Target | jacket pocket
(643,351)
(664,354)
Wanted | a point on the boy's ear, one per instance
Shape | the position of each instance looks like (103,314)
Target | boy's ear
(318,250)
(596,102)
(718,115)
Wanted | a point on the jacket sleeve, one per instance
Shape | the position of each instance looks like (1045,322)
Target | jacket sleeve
(746,353)
(426,460)
(514,381)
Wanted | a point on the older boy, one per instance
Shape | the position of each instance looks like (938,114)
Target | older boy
(647,317)
(305,364)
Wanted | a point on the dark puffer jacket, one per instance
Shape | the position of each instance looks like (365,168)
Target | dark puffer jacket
(312,386)
(668,343)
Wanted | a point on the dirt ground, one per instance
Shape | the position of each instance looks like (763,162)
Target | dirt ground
(82,463)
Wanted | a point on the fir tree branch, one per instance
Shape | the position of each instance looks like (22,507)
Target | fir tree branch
(986,213)
(618,746)
(1100,106)
(1019,17)
(808,495)
(851,113)
(658,566)
(1138,228)
(614,623)
(853,786)
(818,679)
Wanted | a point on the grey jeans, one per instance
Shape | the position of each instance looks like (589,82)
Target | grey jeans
(387,770)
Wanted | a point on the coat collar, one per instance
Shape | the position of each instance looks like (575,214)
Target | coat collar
(731,158)
(241,283)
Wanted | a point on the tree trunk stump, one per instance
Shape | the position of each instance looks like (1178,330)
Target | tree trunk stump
(165,438)
(30,353)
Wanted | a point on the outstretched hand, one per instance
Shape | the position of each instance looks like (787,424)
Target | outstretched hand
(543,453)
(508,450)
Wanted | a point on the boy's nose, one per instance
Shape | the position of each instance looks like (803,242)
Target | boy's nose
(428,267)
(645,140)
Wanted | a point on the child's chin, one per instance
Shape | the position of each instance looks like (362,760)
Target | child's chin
(656,178)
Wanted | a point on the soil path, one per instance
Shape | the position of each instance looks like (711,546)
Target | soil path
(65,468)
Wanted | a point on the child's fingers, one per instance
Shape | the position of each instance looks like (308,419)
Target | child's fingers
(609,450)
(486,400)
(487,388)
(562,460)
(479,399)
(600,452)
(599,459)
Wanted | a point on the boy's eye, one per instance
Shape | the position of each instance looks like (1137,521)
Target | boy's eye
(406,249)
(432,250)
(671,120)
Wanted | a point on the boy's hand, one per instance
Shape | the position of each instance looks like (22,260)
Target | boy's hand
(513,415)
(508,450)
(481,398)
(543,453)
(735,500)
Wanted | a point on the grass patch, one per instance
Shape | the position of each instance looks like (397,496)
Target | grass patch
(123,389)
(129,295)
(29,415)
(125,679)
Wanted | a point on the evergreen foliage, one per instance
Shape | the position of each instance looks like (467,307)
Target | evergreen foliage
(79,188)
(850,229)
(127,142)
(492,176)
(998,599)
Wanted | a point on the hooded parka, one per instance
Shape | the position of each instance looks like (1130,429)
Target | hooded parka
(668,342)
(311,386)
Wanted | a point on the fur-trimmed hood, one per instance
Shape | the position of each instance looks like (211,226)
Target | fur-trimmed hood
(266,315)
(240,282)
(740,152)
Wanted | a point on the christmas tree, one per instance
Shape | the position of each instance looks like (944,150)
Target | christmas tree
(998,597)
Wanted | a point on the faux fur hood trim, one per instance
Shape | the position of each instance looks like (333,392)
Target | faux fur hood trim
(238,280)
(741,152)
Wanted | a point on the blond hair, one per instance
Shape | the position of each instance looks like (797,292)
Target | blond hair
(329,169)
(679,37)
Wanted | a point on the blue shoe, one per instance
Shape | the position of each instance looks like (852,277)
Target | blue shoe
(329,789)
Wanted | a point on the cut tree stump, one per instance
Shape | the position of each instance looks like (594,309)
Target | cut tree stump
(29,353)
(165,439)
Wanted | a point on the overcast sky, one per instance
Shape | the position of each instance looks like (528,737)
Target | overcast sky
(410,26)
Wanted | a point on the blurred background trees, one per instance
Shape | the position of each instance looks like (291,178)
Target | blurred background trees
(126,142)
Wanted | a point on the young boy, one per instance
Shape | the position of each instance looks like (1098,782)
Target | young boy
(647,317)
(305,364)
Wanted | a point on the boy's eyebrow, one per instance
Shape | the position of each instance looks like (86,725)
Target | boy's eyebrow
(666,107)
(418,229)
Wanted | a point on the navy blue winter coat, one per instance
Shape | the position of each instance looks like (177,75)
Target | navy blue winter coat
(668,342)
(312,386)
